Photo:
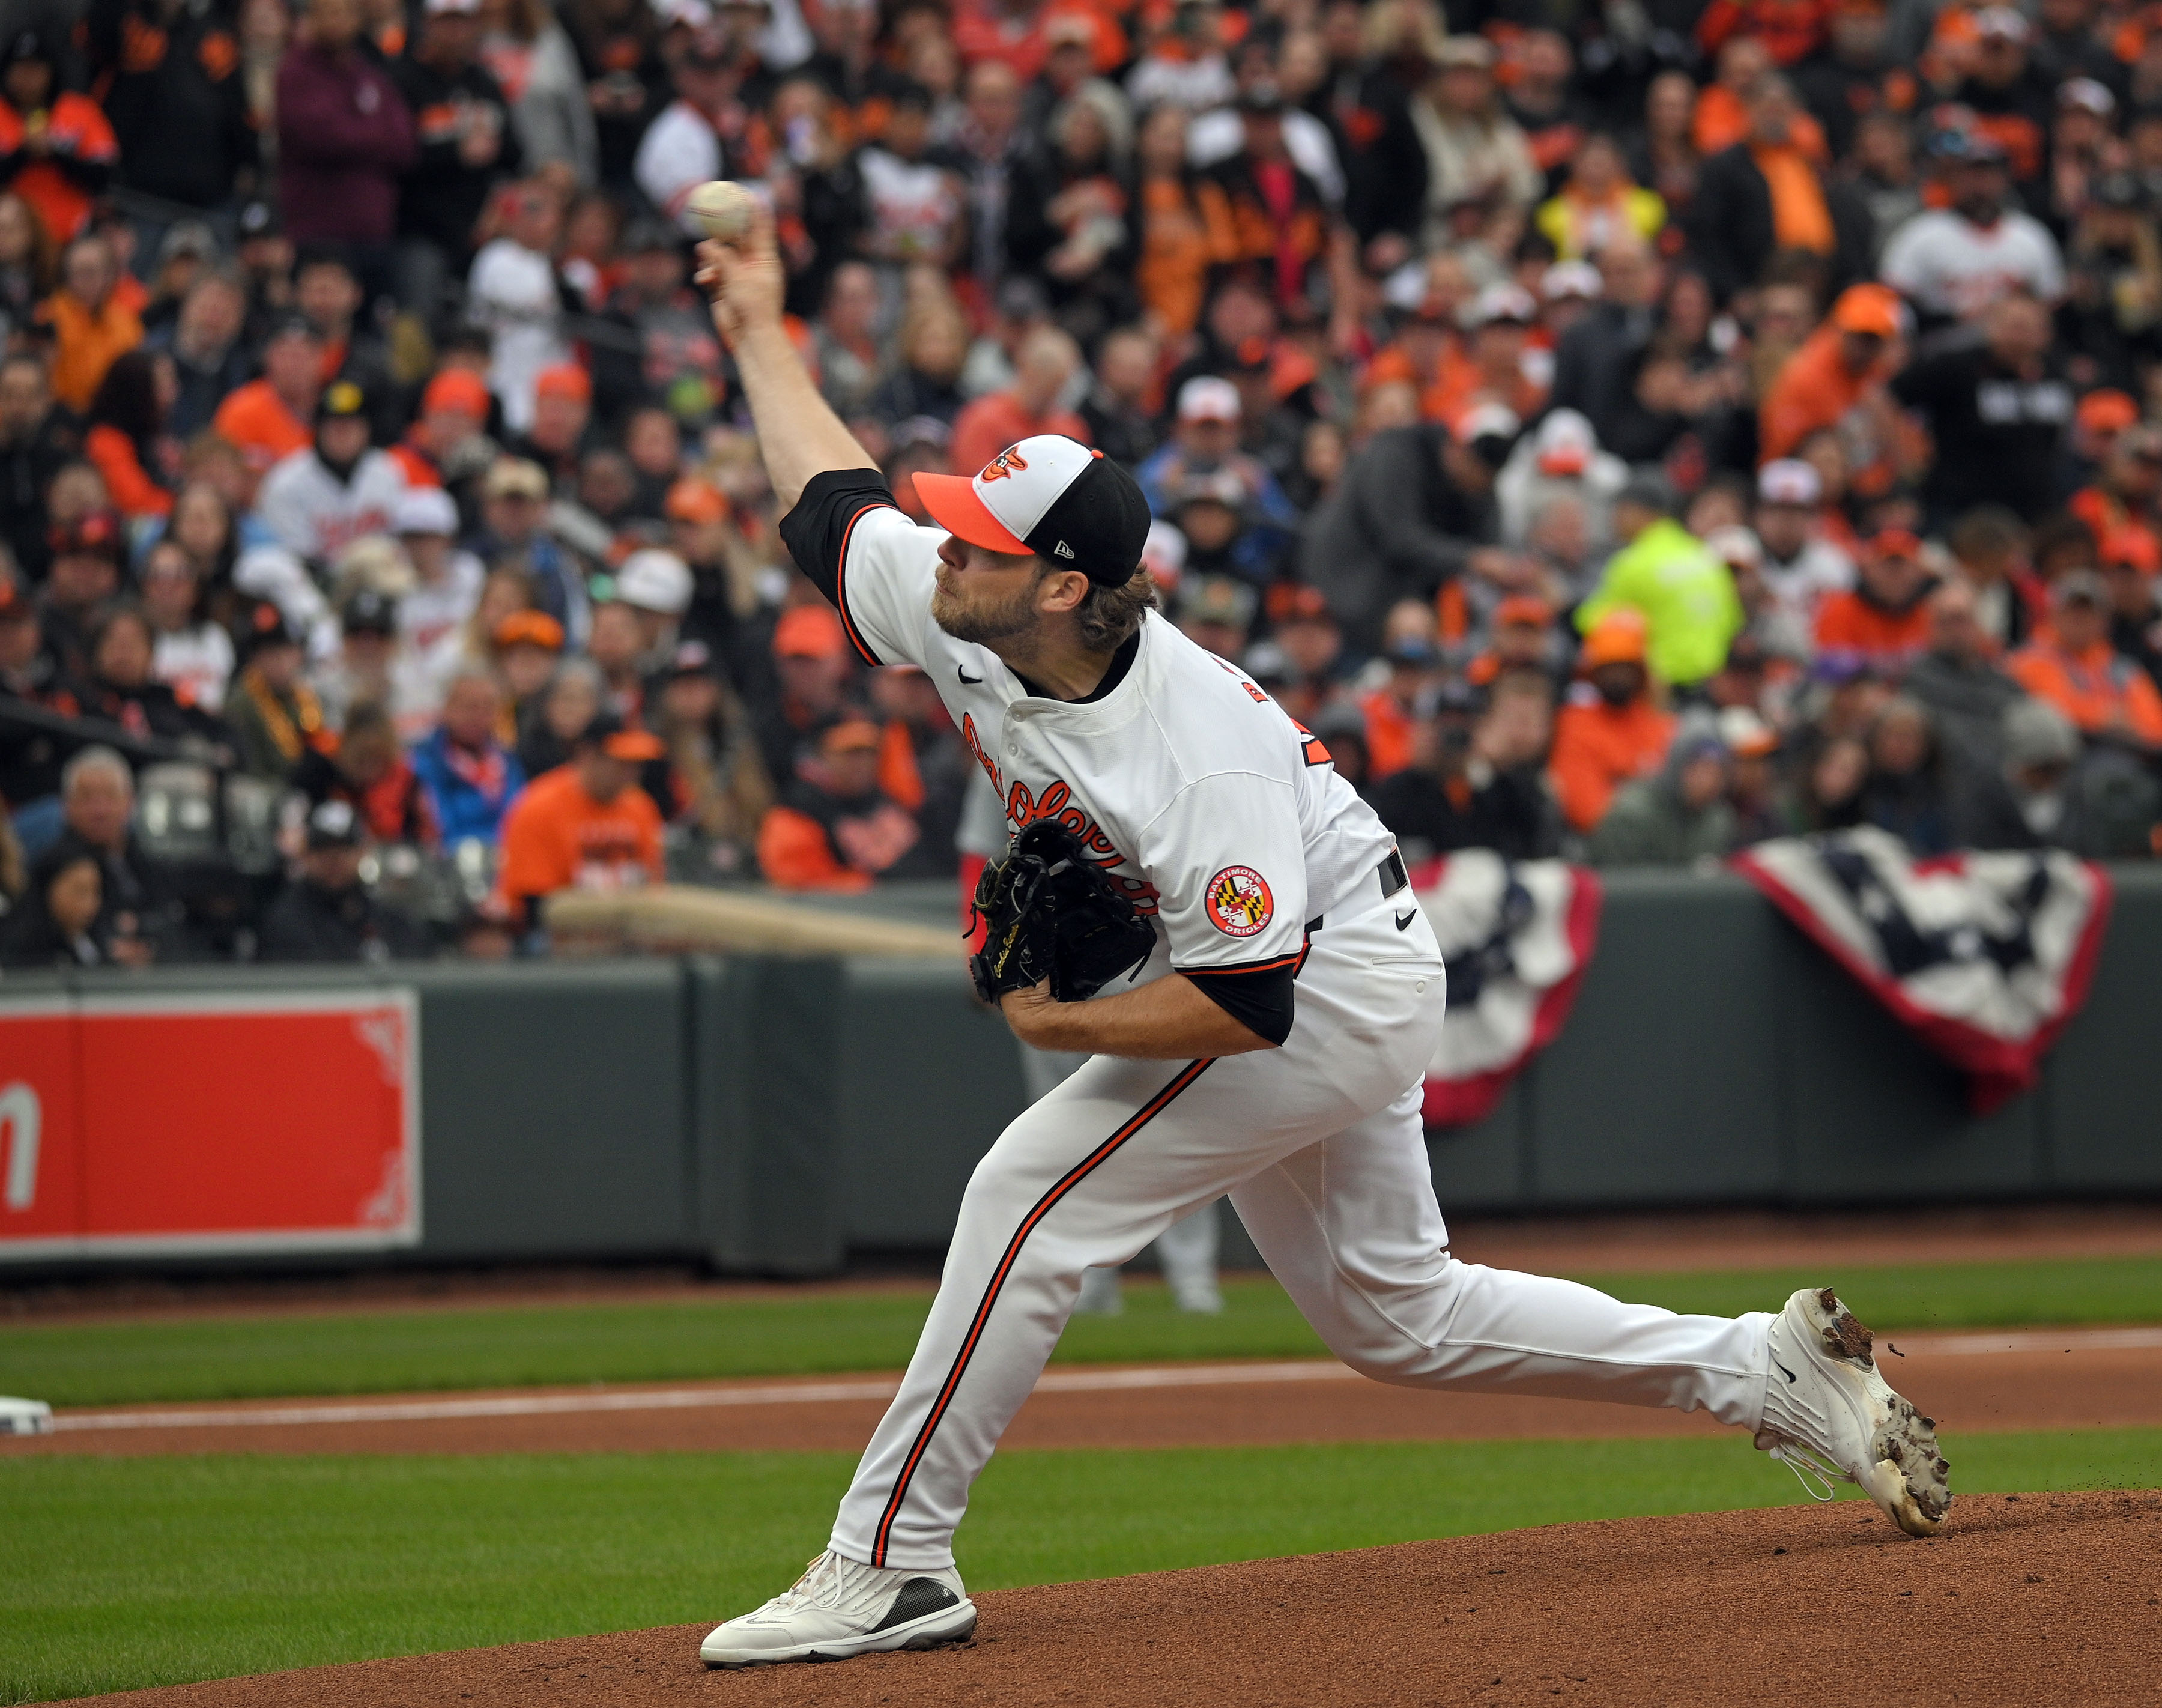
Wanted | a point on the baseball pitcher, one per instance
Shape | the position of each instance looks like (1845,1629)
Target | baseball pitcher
(1195,901)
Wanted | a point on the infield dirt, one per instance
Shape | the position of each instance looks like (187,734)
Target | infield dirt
(2024,1599)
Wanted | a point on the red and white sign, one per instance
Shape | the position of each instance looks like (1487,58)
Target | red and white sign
(142,1126)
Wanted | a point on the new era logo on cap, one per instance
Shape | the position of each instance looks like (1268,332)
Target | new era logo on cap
(1049,495)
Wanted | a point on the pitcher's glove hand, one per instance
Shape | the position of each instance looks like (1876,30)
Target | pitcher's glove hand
(1051,912)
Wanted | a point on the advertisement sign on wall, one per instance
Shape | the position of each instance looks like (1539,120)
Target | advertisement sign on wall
(209,1124)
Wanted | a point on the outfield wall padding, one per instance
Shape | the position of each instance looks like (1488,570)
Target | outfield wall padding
(768,1116)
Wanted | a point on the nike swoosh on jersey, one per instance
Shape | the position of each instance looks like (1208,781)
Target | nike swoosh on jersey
(967,681)
(1405,919)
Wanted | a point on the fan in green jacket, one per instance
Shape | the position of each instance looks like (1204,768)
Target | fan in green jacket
(1685,593)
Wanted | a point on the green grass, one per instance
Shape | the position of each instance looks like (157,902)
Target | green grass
(514,1346)
(116,1573)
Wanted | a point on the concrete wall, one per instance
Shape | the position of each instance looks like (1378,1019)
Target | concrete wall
(768,1116)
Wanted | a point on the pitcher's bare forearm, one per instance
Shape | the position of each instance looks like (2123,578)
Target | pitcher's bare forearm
(798,433)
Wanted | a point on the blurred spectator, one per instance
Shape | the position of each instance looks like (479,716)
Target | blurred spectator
(274,715)
(326,912)
(88,321)
(526,647)
(36,442)
(462,138)
(367,770)
(319,501)
(514,295)
(835,828)
(585,825)
(126,439)
(1958,682)
(269,418)
(140,918)
(1883,620)
(1474,150)
(1415,509)
(713,780)
(515,509)
(1685,595)
(2119,506)
(1599,202)
(445,592)
(192,652)
(209,358)
(1048,361)
(84,573)
(1609,732)
(448,446)
(2106,696)
(54,926)
(560,438)
(2048,795)
(60,149)
(1562,460)
(1840,369)
(1997,408)
(1216,612)
(1766,193)
(1800,569)
(121,688)
(549,735)
(656,586)
(1477,782)
(667,348)
(1752,774)
(1675,818)
(344,136)
(2134,631)
(1958,262)
(468,774)
(1909,789)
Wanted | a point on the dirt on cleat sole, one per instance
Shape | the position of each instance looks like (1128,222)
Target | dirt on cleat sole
(1910,1480)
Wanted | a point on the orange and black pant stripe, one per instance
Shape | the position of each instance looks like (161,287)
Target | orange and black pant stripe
(1043,1206)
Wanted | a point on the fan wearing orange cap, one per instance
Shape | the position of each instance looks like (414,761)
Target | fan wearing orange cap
(562,409)
(835,828)
(454,409)
(1841,366)
(1882,620)
(585,825)
(1609,732)
(2120,505)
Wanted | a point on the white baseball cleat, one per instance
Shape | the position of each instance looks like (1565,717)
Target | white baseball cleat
(1829,1411)
(840,1607)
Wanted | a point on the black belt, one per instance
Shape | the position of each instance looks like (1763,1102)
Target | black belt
(1393,877)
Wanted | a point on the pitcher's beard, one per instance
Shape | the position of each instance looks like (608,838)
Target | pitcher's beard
(1016,616)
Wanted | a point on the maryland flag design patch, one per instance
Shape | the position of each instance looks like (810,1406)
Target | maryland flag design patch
(1239,901)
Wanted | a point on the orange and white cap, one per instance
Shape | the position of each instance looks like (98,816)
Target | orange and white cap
(1049,495)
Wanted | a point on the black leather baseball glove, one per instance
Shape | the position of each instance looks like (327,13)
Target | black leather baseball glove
(1051,912)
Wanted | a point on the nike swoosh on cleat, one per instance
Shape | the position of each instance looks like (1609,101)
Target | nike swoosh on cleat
(967,681)
(1405,919)
(1784,1371)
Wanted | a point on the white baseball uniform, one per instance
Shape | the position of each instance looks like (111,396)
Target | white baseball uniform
(1228,826)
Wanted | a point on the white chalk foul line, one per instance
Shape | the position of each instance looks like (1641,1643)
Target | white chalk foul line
(676,1399)
(1977,1345)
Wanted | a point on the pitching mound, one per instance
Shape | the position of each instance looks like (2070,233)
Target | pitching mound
(2028,1599)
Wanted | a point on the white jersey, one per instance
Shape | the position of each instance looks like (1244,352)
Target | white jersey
(1222,818)
(1799,585)
(1949,265)
(315,514)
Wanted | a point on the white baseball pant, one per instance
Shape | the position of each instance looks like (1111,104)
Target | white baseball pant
(1320,1144)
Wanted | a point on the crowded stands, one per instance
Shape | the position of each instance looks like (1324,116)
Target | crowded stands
(1626,432)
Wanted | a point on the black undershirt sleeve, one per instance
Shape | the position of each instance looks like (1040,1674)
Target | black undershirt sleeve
(1259,998)
(816,529)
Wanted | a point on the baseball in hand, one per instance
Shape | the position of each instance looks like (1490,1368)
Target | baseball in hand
(725,209)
